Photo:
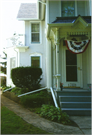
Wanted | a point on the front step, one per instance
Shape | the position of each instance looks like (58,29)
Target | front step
(75,102)
(77,111)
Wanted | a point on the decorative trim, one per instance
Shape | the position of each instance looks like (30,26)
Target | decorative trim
(77,47)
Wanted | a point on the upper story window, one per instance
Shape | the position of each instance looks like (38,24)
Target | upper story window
(68,8)
(35,32)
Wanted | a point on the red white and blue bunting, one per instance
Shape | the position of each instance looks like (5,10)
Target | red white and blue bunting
(77,46)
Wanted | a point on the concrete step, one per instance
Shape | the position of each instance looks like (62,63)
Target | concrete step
(75,98)
(77,111)
(75,104)
(74,93)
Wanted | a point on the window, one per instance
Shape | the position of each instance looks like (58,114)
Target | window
(35,61)
(68,8)
(35,32)
(12,62)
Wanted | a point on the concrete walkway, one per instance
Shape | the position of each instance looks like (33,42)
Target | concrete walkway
(84,123)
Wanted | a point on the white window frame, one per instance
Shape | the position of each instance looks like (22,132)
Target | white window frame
(36,55)
(40,32)
(11,65)
(75,8)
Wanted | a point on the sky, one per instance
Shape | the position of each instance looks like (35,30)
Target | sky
(8,19)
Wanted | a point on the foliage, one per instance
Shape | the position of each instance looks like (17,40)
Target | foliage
(26,77)
(37,99)
(19,91)
(3,81)
(54,114)
(3,70)
(5,88)
(13,124)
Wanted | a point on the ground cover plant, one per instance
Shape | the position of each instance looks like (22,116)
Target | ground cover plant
(13,124)
(42,103)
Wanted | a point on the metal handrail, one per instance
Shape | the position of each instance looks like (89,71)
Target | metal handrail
(32,92)
(8,89)
(54,98)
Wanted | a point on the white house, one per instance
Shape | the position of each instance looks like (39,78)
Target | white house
(57,38)
(48,25)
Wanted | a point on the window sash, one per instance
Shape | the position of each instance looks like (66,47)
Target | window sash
(35,32)
(68,8)
(35,61)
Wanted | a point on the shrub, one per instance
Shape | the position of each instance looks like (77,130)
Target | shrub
(26,77)
(54,114)
(3,81)
(36,99)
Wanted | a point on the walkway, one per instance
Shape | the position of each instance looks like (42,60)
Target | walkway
(84,123)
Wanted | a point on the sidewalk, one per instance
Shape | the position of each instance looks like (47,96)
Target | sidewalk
(84,123)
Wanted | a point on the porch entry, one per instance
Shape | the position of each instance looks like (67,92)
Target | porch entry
(72,69)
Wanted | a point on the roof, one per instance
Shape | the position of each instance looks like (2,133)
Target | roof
(27,10)
(71,19)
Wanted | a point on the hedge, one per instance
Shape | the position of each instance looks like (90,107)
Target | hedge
(26,77)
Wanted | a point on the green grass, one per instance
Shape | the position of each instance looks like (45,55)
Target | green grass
(13,124)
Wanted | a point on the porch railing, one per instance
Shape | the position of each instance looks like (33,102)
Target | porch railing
(31,92)
(54,97)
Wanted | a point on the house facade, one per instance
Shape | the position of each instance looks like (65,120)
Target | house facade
(57,38)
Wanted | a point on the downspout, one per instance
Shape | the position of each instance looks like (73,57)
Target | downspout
(42,2)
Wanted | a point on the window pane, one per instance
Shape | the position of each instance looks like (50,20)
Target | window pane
(35,37)
(35,27)
(71,73)
(68,8)
(71,58)
(35,61)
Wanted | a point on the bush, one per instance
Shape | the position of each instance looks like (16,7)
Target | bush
(19,91)
(3,81)
(26,77)
(3,69)
(54,114)
(36,99)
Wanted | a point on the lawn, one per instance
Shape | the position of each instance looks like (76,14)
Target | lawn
(13,124)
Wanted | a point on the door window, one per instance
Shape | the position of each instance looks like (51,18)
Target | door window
(71,66)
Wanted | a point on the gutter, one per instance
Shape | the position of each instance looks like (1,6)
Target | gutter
(42,2)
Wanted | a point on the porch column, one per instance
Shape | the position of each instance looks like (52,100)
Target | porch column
(54,65)
(48,64)
(57,59)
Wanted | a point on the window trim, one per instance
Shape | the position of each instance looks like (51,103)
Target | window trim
(36,55)
(40,32)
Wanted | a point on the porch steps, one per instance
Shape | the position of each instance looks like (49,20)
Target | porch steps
(75,102)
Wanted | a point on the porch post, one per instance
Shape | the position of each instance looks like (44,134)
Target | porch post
(48,63)
(54,66)
(57,59)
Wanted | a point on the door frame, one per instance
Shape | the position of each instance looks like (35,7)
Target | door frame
(79,83)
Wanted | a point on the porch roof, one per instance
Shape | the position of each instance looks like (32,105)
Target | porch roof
(87,19)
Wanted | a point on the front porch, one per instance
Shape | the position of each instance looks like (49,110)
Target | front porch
(69,63)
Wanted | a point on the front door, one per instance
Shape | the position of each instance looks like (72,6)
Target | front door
(72,69)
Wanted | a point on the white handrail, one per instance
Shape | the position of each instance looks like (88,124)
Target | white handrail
(32,92)
(54,98)
(8,89)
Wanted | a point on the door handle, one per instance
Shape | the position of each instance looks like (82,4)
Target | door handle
(79,68)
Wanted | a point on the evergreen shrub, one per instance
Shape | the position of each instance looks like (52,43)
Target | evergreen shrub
(26,77)
(37,99)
